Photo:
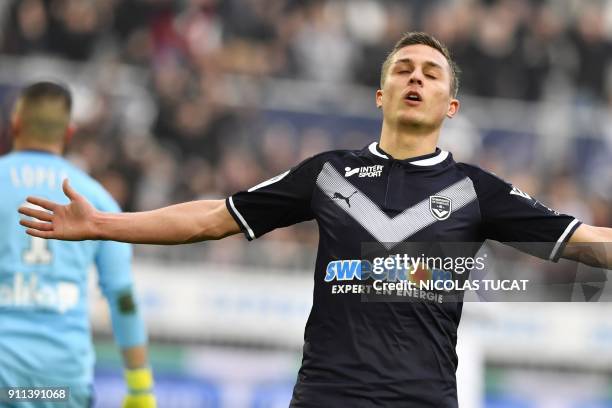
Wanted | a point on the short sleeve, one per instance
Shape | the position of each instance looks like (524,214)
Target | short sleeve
(278,202)
(512,216)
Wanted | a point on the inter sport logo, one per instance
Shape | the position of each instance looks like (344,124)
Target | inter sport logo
(365,171)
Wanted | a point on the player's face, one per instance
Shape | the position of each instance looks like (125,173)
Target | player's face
(417,90)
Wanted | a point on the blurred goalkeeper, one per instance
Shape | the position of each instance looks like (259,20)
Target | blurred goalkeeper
(399,189)
(44,329)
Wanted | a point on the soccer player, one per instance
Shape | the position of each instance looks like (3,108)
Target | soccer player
(400,189)
(44,326)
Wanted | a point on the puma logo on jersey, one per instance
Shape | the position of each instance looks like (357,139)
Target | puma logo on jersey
(338,196)
(518,192)
(365,171)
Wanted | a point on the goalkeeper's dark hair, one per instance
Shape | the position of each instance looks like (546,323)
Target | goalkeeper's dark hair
(46,90)
(43,111)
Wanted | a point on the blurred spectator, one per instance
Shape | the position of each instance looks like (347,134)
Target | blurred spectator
(27,28)
(75,28)
(322,48)
(193,126)
(594,52)
(395,20)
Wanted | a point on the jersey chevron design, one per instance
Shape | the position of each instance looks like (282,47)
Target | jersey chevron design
(389,231)
(393,354)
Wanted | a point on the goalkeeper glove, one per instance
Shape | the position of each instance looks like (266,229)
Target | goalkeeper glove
(140,389)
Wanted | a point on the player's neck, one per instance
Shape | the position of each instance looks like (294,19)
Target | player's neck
(402,144)
(21,145)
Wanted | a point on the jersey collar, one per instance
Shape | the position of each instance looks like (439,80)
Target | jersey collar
(39,151)
(430,159)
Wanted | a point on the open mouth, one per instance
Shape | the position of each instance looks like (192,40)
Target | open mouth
(413,96)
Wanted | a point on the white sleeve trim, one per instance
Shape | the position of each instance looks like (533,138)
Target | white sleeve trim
(241,218)
(561,240)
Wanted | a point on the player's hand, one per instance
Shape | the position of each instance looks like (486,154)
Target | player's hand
(140,389)
(72,222)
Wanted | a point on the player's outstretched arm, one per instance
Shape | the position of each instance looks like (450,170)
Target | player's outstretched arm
(176,224)
(590,245)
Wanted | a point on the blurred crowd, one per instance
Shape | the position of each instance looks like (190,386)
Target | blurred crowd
(208,136)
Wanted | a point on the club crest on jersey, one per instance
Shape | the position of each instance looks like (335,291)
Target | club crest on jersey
(440,207)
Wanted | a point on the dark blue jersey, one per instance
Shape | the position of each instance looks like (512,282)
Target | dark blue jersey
(388,354)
